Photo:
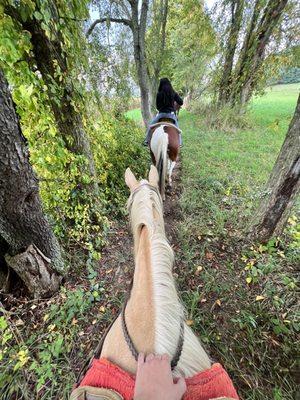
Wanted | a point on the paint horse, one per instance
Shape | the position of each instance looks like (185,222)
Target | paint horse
(164,150)
(152,319)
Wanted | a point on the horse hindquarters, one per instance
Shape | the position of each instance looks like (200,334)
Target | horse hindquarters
(159,148)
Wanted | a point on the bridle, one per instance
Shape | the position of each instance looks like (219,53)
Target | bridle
(140,187)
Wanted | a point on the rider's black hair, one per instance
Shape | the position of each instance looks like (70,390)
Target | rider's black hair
(165,86)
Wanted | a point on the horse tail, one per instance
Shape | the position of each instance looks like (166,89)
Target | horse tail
(159,146)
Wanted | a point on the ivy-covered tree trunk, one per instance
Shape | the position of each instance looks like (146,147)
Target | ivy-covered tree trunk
(27,243)
(51,61)
(282,188)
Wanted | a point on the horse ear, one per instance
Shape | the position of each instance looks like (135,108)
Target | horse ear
(130,179)
(153,176)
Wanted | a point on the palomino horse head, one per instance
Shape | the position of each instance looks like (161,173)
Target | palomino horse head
(153,320)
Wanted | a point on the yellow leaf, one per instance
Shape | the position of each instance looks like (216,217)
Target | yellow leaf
(198,270)
(249,279)
(218,302)
(258,298)
(102,309)
(189,322)
(51,327)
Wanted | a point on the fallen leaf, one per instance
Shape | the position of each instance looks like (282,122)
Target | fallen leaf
(19,322)
(258,298)
(102,309)
(203,301)
(46,316)
(249,279)
(198,270)
(218,302)
(189,322)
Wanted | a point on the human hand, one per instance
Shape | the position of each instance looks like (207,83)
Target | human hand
(154,379)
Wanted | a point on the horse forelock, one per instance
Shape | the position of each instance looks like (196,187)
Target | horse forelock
(145,210)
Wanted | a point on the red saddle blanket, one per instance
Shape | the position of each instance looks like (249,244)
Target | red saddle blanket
(209,384)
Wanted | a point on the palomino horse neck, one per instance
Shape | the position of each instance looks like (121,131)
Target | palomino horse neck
(154,312)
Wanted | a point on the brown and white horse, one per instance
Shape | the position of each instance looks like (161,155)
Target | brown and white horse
(164,150)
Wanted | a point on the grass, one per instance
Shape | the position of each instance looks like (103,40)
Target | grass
(134,114)
(241,299)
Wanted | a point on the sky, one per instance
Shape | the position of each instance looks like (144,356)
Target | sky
(210,3)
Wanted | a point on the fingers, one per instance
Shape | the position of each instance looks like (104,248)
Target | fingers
(180,387)
(141,359)
(150,357)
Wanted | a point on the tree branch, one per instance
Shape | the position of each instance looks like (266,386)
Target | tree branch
(123,21)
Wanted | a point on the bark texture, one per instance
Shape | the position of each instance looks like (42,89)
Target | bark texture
(136,19)
(237,8)
(156,54)
(238,82)
(69,122)
(22,222)
(253,52)
(282,188)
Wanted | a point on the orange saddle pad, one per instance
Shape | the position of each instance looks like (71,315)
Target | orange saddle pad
(212,383)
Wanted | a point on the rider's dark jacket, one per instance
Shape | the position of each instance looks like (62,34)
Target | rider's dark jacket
(165,102)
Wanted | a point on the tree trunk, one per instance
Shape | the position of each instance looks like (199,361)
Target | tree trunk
(138,31)
(253,50)
(157,54)
(282,187)
(69,122)
(24,230)
(138,27)
(237,9)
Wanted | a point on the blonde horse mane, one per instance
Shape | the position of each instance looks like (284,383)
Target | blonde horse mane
(146,209)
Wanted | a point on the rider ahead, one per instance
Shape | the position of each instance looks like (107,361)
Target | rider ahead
(165,99)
